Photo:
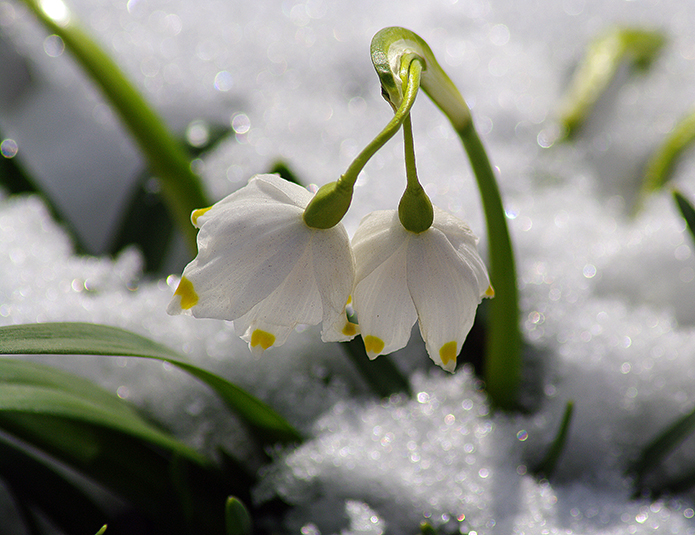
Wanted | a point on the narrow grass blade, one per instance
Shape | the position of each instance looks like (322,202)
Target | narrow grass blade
(135,471)
(91,339)
(662,445)
(181,188)
(547,466)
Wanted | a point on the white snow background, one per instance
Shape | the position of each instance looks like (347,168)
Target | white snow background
(607,299)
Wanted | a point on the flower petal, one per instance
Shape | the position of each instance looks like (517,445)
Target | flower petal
(445,288)
(465,242)
(244,255)
(378,236)
(295,301)
(385,310)
(334,269)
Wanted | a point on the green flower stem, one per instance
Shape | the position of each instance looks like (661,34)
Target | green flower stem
(391,128)
(168,161)
(415,208)
(332,200)
(504,340)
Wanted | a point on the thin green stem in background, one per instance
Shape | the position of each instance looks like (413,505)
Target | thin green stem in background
(168,161)
(547,466)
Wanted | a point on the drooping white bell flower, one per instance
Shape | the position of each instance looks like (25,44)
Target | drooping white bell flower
(435,276)
(261,266)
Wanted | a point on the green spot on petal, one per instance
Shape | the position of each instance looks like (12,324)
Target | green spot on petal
(197,213)
(490,292)
(448,352)
(373,345)
(262,338)
(188,296)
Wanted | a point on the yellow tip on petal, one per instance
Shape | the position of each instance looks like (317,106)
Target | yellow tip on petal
(262,338)
(349,299)
(490,292)
(188,296)
(448,352)
(373,345)
(197,213)
(350,329)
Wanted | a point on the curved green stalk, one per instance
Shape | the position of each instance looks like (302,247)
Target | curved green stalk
(504,340)
(415,210)
(332,200)
(181,188)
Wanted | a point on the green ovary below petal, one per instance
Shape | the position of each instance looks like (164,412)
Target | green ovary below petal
(189,297)
(448,352)
(261,338)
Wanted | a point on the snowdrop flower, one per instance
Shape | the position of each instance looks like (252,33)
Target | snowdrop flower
(260,265)
(435,276)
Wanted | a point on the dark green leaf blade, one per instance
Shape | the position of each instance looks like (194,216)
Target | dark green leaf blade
(92,339)
(41,400)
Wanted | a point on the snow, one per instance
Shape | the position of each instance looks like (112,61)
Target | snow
(606,295)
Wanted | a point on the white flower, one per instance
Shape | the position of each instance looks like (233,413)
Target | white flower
(436,277)
(261,266)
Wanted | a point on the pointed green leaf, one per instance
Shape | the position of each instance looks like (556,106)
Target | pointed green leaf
(547,466)
(41,400)
(91,339)
(662,445)
(237,518)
